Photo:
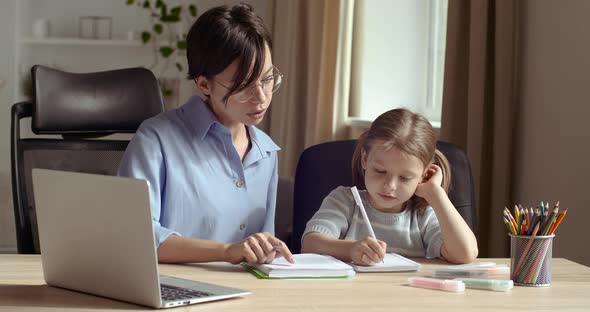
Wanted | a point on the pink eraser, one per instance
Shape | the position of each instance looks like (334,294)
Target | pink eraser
(438,284)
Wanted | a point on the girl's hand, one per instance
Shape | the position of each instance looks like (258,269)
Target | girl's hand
(368,251)
(257,249)
(432,180)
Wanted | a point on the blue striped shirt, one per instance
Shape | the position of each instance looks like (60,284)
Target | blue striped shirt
(199,186)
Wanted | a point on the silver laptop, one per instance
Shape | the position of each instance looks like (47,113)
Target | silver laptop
(96,237)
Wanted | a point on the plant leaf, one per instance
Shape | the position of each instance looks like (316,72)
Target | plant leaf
(146,4)
(166,92)
(159,3)
(179,66)
(158,28)
(176,11)
(166,51)
(145,36)
(169,18)
(193,10)
(130,2)
(181,45)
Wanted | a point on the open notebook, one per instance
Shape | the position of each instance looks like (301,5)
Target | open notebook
(391,263)
(309,265)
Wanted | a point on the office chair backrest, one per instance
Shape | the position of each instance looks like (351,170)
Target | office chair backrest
(75,109)
(323,167)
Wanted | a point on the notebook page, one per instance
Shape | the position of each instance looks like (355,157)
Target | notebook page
(391,263)
(308,261)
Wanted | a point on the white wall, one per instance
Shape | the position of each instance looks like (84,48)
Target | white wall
(554,139)
(7,22)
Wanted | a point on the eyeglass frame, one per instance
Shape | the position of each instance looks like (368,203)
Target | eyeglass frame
(249,90)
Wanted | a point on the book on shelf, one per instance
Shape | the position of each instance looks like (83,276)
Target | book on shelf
(309,265)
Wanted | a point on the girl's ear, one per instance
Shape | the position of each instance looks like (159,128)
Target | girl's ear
(203,85)
(364,159)
(426,173)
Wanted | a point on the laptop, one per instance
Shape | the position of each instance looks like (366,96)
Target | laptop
(96,237)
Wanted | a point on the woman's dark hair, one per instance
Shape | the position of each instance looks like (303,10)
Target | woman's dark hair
(222,35)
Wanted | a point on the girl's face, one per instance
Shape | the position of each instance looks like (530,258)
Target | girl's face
(237,112)
(391,177)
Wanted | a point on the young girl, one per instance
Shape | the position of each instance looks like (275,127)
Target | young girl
(406,180)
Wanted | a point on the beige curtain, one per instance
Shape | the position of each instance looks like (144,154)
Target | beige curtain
(312,49)
(479,106)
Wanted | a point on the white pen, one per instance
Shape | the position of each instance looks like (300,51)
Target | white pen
(359,202)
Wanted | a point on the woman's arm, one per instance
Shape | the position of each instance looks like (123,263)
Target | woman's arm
(179,249)
(257,248)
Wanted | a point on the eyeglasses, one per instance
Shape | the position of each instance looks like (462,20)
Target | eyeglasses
(269,84)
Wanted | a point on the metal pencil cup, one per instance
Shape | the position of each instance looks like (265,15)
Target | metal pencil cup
(530,260)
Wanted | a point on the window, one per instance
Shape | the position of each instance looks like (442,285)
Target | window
(397,58)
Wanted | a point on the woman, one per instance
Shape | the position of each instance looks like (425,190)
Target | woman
(212,173)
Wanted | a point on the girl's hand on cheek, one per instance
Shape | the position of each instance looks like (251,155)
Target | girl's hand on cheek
(432,180)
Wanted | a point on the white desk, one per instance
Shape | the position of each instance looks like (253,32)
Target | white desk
(22,288)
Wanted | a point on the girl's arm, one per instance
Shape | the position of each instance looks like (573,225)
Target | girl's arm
(458,241)
(323,244)
(329,222)
(364,252)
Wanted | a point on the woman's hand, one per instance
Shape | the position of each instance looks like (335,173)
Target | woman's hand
(431,183)
(257,249)
(368,251)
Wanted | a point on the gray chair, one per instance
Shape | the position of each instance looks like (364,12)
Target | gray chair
(323,167)
(69,113)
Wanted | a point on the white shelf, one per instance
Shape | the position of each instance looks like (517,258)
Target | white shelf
(81,42)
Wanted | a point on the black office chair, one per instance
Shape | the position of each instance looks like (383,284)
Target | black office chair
(75,110)
(323,167)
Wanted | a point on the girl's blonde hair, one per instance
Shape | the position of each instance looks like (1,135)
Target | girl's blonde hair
(409,132)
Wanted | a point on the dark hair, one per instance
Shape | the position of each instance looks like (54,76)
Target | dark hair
(409,132)
(222,35)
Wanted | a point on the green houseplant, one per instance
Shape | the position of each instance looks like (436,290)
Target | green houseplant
(167,35)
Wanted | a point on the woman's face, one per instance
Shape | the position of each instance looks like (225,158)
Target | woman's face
(391,177)
(238,111)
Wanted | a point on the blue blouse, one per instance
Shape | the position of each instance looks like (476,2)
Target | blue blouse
(199,187)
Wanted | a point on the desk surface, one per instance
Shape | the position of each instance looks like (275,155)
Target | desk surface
(22,288)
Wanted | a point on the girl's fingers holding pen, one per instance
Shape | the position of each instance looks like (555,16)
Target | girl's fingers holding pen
(370,250)
(366,260)
(373,256)
(381,250)
(378,247)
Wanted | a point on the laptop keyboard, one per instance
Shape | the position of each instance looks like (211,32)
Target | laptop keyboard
(173,293)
